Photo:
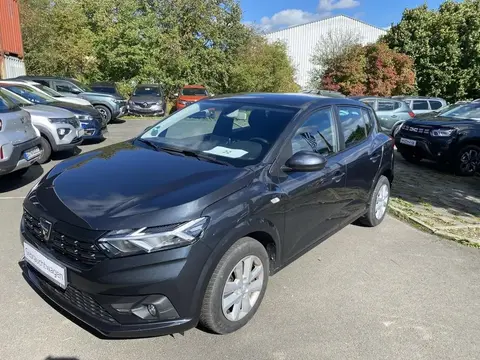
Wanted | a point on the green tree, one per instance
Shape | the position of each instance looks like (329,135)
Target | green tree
(444,46)
(370,70)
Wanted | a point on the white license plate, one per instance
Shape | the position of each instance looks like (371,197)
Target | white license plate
(80,132)
(32,153)
(52,270)
(408,142)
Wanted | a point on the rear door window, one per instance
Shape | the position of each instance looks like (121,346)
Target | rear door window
(420,105)
(386,106)
(435,105)
(353,125)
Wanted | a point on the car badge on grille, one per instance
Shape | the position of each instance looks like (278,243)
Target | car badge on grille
(145,104)
(46,227)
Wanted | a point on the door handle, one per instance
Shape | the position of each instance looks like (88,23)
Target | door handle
(394,116)
(338,176)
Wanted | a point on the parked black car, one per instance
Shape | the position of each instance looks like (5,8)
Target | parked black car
(453,137)
(185,223)
(148,99)
(106,87)
(108,105)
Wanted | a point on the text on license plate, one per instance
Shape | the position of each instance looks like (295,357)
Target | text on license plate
(408,142)
(53,271)
(32,153)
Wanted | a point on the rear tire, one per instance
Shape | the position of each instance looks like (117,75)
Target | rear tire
(378,204)
(104,112)
(47,150)
(240,278)
(411,157)
(467,162)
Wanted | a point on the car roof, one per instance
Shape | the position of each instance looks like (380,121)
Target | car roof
(403,97)
(286,99)
(373,97)
(45,77)
(16,82)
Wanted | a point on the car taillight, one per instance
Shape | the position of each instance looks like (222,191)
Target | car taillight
(1,152)
(1,125)
(412,114)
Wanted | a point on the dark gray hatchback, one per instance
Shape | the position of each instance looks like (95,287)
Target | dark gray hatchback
(185,223)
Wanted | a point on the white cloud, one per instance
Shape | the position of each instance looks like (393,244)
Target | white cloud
(329,5)
(289,17)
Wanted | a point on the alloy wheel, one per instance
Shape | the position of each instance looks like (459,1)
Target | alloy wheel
(469,161)
(381,201)
(242,288)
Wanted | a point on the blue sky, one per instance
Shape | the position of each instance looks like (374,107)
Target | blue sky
(278,14)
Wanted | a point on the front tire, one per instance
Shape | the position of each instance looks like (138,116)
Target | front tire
(104,112)
(468,160)
(236,288)
(47,151)
(378,204)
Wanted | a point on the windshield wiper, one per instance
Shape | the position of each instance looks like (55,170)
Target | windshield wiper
(189,153)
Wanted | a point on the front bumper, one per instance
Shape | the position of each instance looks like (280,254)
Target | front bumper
(16,161)
(155,110)
(108,296)
(427,147)
(93,131)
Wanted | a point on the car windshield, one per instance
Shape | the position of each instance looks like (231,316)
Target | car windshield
(147,90)
(466,111)
(16,99)
(6,104)
(47,90)
(104,89)
(29,93)
(194,92)
(239,134)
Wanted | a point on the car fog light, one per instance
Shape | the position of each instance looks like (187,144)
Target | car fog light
(152,310)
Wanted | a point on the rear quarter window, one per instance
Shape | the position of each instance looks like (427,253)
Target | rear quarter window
(420,105)
(435,105)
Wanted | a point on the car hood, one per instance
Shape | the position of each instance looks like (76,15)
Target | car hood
(192,98)
(74,100)
(441,120)
(124,186)
(145,98)
(48,111)
(76,109)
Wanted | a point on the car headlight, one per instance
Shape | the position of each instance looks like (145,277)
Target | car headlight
(84,117)
(146,240)
(117,101)
(442,132)
(159,102)
(58,120)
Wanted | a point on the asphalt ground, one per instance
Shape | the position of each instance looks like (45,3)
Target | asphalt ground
(391,292)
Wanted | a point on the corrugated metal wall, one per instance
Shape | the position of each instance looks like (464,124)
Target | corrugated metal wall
(302,39)
(11,66)
(10,31)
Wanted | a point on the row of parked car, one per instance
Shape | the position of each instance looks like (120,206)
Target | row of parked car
(429,128)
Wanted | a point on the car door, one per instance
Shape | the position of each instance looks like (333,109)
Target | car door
(65,88)
(361,155)
(386,113)
(313,200)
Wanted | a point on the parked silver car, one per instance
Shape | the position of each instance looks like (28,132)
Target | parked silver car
(20,144)
(422,104)
(391,113)
(59,128)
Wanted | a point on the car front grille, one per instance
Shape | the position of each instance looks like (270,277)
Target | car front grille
(80,300)
(414,129)
(144,105)
(75,250)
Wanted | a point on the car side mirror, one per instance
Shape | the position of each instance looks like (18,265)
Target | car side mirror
(305,161)
(75,91)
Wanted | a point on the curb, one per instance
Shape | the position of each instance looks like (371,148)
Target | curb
(403,215)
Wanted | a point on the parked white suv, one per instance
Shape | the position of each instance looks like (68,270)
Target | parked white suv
(59,128)
(20,144)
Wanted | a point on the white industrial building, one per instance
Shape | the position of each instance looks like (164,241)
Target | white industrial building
(301,40)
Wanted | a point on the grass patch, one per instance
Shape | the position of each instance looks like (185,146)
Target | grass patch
(132,117)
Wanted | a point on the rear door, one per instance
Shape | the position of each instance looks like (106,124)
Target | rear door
(313,201)
(420,106)
(361,155)
(386,113)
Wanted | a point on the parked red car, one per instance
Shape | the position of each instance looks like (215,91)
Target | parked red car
(190,94)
